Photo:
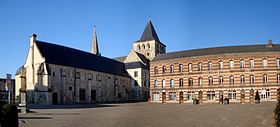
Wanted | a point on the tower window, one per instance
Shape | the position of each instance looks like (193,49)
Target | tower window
(139,47)
(148,46)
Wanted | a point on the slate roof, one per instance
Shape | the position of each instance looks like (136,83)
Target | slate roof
(61,55)
(143,58)
(218,50)
(133,65)
(149,33)
(120,59)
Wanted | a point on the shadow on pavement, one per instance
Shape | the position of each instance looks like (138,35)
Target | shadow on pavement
(31,117)
(71,106)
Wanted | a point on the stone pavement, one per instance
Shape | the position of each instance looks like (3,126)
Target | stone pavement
(150,115)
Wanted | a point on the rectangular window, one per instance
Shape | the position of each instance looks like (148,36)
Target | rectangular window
(78,75)
(156,84)
(172,96)
(265,78)
(232,94)
(242,79)
(210,95)
(135,73)
(252,80)
(190,95)
(93,95)
(181,68)
(199,81)
(265,94)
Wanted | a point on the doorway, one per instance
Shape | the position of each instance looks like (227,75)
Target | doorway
(221,97)
(181,97)
(55,98)
(200,96)
(242,99)
(163,97)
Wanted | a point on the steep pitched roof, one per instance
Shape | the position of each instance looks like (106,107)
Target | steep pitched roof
(143,58)
(120,59)
(133,65)
(61,55)
(218,50)
(149,33)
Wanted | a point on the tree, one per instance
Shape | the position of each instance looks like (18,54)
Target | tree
(277,111)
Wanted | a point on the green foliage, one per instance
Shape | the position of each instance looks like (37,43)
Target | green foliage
(277,111)
(10,114)
(257,96)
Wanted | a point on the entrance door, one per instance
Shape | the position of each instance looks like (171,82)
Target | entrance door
(181,98)
(200,96)
(251,96)
(163,97)
(242,99)
(221,97)
(55,98)
(93,95)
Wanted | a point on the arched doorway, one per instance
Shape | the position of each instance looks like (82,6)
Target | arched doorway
(221,97)
(55,98)
(200,96)
(181,97)
(242,99)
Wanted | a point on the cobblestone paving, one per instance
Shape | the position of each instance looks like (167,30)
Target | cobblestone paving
(150,115)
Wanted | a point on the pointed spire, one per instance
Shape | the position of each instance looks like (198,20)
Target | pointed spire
(149,33)
(94,47)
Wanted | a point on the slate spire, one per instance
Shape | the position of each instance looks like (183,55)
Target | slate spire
(149,33)
(94,47)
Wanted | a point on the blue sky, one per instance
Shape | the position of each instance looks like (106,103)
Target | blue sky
(180,24)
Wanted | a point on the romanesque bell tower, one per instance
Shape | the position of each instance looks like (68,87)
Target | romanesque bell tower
(149,44)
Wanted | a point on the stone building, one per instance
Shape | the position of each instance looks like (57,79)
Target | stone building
(138,61)
(55,74)
(213,74)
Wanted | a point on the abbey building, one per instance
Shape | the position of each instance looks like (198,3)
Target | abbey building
(55,74)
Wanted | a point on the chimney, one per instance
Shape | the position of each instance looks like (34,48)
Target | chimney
(32,39)
(269,43)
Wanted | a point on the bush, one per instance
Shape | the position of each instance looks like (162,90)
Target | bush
(10,114)
(277,111)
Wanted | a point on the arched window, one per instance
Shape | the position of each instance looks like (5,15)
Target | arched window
(251,63)
(252,80)
(221,80)
(200,81)
(139,47)
(231,64)
(143,46)
(163,70)
(163,84)
(156,84)
(171,68)
(242,79)
(210,81)
(155,70)
(278,78)
(242,64)
(265,78)
(265,63)
(199,66)
(172,83)
(181,68)
(231,80)
(278,62)
(148,45)
(190,82)
(190,67)
(221,65)
(181,82)
(210,65)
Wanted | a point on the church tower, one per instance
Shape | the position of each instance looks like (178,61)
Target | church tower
(94,47)
(149,44)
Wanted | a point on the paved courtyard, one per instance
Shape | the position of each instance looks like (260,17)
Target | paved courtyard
(150,115)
